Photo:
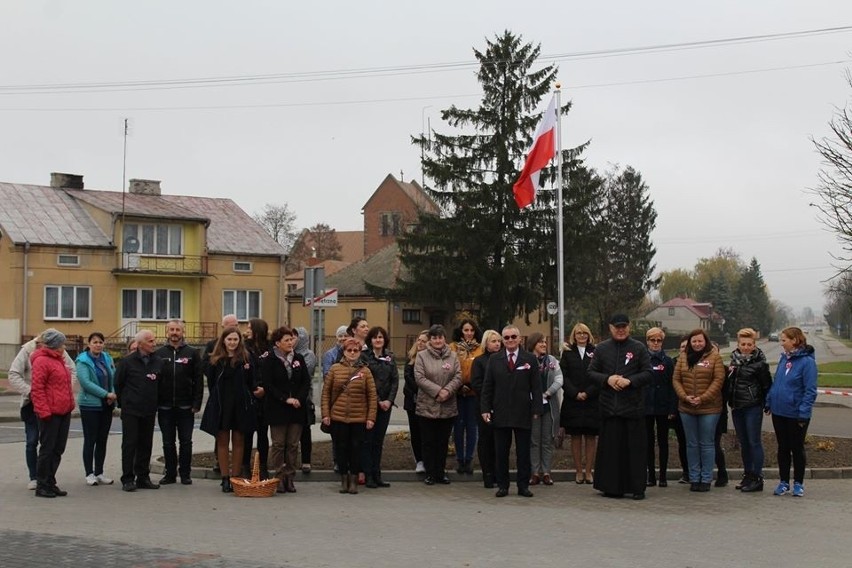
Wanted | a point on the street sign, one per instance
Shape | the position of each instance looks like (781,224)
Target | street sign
(552,308)
(328,299)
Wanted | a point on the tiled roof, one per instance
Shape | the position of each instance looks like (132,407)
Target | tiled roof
(330,266)
(419,197)
(701,309)
(42,215)
(351,245)
(381,270)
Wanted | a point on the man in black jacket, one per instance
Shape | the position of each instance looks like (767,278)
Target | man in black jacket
(136,386)
(621,367)
(179,399)
(511,399)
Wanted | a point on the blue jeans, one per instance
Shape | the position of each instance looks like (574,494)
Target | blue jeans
(465,428)
(748,422)
(28,416)
(700,431)
(96,424)
(178,421)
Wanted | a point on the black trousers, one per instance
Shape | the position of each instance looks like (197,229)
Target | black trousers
(416,438)
(137,437)
(502,445)
(435,433)
(52,436)
(346,440)
(791,443)
(657,429)
(485,449)
(176,424)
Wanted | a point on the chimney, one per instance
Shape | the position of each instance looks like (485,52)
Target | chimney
(69,181)
(145,186)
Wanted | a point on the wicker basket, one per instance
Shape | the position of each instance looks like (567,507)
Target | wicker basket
(254,487)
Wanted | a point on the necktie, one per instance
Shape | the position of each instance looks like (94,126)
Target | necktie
(511,361)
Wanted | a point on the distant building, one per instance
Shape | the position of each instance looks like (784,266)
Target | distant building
(682,315)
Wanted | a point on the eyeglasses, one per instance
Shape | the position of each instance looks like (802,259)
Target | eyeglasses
(508,337)
(655,341)
(352,350)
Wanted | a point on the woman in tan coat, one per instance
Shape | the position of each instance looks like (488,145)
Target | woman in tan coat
(349,403)
(698,378)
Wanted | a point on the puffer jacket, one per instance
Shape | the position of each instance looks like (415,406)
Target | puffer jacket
(748,379)
(385,374)
(92,394)
(794,390)
(435,370)
(349,394)
(51,391)
(704,380)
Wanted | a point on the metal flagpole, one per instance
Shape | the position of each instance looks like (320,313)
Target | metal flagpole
(560,256)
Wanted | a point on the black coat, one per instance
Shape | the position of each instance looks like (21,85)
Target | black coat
(385,374)
(630,359)
(512,396)
(281,385)
(578,414)
(182,379)
(477,372)
(137,384)
(748,382)
(660,396)
(244,386)
(409,390)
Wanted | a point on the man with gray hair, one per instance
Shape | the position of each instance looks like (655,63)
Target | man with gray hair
(20,377)
(136,384)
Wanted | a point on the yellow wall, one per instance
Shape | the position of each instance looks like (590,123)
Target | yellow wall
(265,276)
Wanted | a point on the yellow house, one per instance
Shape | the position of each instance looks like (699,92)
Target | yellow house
(83,260)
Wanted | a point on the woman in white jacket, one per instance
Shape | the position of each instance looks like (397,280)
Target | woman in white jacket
(545,428)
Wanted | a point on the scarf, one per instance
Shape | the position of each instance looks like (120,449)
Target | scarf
(739,359)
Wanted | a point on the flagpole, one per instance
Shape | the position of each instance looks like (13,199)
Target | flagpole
(560,256)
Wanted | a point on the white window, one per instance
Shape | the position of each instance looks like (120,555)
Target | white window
(68,260)
(242,267)
(359,313)
(155,238)
(67,302)
(411,316)
(244,303)
(151,304)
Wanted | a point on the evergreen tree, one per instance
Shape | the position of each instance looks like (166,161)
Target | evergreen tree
(482,252)
(717,291)
(753,305)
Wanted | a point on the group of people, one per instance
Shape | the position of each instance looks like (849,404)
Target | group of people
(483,390)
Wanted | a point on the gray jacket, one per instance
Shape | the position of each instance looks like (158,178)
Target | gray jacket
(552,374)
(434,370)
(21,371)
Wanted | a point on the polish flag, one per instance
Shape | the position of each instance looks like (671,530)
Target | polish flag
(542,151)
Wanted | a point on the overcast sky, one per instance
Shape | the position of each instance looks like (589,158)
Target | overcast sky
(720,134)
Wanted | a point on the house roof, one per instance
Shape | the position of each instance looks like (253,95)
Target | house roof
(330,266)
(701,309)
(42,215)
(414,192)
(231,230)
(46,215)
(351,245)
(380,269)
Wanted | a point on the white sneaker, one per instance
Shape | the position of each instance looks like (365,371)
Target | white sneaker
(420,468)
(104,480)
(32,485)
(91,480)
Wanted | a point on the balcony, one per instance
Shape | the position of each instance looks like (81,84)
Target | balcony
(184,265)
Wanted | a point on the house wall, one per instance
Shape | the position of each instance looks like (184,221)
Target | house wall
(388,197)
(266,276)
(683,321)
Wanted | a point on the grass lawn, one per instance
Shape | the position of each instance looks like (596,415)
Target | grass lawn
(833,380)
(836,367)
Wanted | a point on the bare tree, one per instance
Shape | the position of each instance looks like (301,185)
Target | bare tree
(834,191)
(279,222)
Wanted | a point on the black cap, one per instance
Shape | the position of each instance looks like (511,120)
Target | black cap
(619,319)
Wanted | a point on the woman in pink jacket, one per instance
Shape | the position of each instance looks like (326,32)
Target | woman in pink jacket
(53,401)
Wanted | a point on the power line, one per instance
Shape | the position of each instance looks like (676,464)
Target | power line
(337,74)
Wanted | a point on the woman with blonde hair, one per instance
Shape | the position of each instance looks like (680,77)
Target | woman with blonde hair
(409,403)
(492,342)
(579,417)
(660,405)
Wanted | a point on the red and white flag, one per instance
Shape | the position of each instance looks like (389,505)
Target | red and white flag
(542,151)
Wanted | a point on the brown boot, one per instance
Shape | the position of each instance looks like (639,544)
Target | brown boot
(344,482)
(353,484)
(288,483)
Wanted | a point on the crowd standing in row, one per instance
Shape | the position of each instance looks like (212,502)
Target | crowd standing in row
(484,390)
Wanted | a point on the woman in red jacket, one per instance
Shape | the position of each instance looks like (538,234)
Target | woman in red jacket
(53,401)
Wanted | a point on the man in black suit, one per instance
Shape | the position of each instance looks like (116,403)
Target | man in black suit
(511,399)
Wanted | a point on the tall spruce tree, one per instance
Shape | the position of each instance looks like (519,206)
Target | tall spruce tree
(482,252)
(753,307)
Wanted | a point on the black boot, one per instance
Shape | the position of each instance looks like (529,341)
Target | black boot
(226,485)
(377,479)
(754,484)
(744,481)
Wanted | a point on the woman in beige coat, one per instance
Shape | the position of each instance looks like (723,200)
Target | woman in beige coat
(698,378)
(438,376)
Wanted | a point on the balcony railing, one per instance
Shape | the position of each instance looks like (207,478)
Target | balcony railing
(127,262)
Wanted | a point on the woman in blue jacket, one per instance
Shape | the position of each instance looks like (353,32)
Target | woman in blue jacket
(96,399)
(791,401)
